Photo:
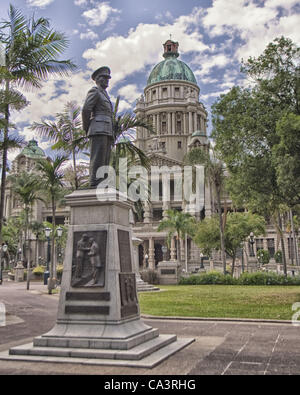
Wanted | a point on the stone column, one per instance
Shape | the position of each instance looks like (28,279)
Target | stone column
(147,213)
(173,249)
(190,122)
(184,123)
(169,123)
(195,121)
(173,123)
(151,254)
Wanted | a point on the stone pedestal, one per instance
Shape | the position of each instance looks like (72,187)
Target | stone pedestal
(98,314)
(168,272)
(19,272)
(252,265)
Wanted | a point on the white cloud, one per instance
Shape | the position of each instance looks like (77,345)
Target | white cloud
(208,62)
(99,15)
(89,35)
(130,54)
(80,2)
(129,93)
(39,3)
(53,96)
(256,24)
(12,154)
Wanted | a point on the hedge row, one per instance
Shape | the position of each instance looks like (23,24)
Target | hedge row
(257,278)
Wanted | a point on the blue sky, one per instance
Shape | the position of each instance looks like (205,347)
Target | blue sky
(127,36)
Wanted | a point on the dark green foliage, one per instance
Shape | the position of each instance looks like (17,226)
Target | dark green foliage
(263,256)
(257,278)
(208,278)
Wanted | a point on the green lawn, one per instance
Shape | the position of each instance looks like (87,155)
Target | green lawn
(224,301)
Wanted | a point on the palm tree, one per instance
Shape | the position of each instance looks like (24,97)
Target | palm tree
(123,127)
(66,133)
(31,51)
(27,187)
(38,229)
(52,183)
(177,224)
(214,172)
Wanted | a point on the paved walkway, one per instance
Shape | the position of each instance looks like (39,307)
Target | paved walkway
(221,347)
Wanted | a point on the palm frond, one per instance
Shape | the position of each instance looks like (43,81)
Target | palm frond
(12,98)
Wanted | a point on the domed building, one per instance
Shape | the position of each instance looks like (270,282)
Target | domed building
(171,103)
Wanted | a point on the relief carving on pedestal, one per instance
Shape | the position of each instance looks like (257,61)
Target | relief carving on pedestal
(129,302)
(89,259)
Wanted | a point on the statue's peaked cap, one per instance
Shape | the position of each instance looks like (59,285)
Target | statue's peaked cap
(105,71)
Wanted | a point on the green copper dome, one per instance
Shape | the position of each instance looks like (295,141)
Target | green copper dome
(33,150)
(171,68)
(199,133)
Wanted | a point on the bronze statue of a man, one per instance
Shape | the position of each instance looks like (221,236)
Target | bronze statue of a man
(97,120)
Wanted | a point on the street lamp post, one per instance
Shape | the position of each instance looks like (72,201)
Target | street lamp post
(3,251)
(251,244)
(1,278)
(47,273)
(59,231)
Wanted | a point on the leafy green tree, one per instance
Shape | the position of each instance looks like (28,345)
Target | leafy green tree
(237,229)
(38,229)
(286,156)
(178,224)
(27,187)
(12,231)
(52,183)
(82,176)
(66,133)
(214,175)
(244,128)
(31,49)
(124,125)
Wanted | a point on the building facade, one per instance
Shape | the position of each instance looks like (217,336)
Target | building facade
(171,103)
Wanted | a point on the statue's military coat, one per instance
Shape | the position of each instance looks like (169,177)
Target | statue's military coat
(97,121)
(97,113)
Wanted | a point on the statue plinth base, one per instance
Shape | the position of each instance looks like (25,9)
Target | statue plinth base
(98,314)
(19,272)
(169,272)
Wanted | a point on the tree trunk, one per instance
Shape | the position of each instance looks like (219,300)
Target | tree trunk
(294,239)
(178,249)
(37,251)
(4,164)
(233,265)
(282,245)
(223,256)
(27,248)
(75,172)
(52,269)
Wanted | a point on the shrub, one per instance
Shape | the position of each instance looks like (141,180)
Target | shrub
(269,278)
(256,278)
(208,278)
(278,256)
(39,271)
(263,256)
(149,276)
(59,272)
